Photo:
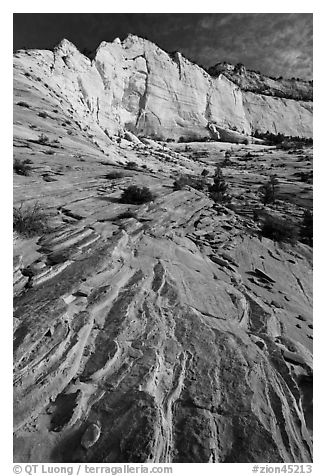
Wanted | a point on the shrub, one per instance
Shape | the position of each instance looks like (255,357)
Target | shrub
(43,139)
(126,214)
(137,195)
(226,162)
(43,114)
(22,167)
(114,175)
(306,228)
(30,221)
(268,190)
(131,165)
(181,182)
(23,104)
(279,230)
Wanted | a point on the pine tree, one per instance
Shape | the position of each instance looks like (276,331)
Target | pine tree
(218,190)
(269,190)
(306,229)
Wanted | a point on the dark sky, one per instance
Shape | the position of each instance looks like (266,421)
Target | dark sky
(278,44)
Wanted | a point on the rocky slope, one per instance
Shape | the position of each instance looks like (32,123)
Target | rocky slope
(134,85)
(173,333)
(255,82)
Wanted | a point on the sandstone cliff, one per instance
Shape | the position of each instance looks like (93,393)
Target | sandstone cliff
(134,85)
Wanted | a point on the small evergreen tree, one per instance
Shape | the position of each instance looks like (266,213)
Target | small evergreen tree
(217,191)
(269,190)
(306,229)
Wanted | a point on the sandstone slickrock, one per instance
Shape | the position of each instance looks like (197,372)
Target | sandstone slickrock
(164,350)
(164,332)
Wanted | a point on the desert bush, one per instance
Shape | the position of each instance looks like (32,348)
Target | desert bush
(114,175)
(269,190)
(306,228)
(279,230)
(226,162)
(22,167)
(137,195)
(43,114)
(43,139)
(23,104)
(131,165)
(126,214)
(30,220)
(198,183)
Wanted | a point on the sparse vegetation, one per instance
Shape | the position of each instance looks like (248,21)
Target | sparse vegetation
(282,141)
(114,175)
(30,220)
(22,167)
(183,181)
(137,195)
(43,114)
(280,230)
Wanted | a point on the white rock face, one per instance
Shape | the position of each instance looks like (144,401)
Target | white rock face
(134,85)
